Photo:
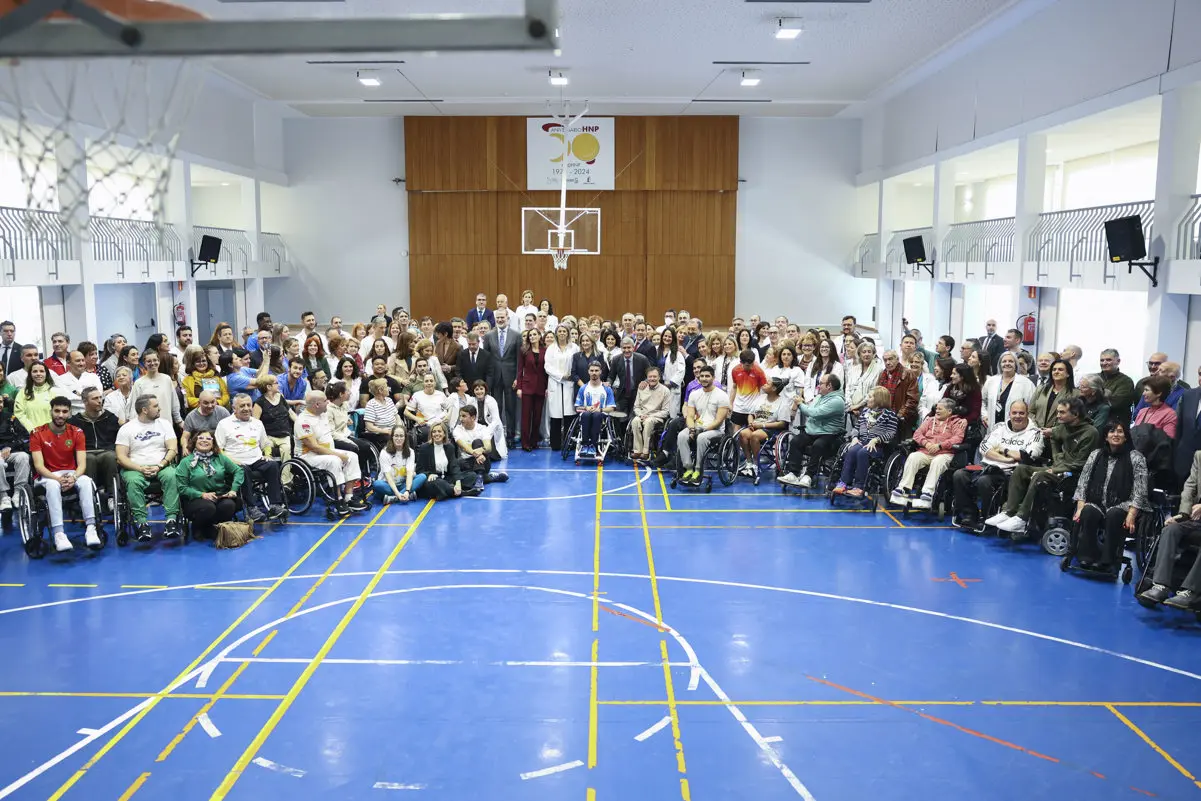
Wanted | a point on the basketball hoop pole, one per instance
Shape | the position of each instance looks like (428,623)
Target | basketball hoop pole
(566,123)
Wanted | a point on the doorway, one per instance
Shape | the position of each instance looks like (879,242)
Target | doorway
(214,304)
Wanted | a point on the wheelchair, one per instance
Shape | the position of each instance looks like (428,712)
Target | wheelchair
(33,518)
(654,442)
(1051,517)
(607,441)
(882,474)
(944,493)
(1068,562)
(770,458)
(1183,562)
(721,458)
(303,484)
(988,507)
(123,512)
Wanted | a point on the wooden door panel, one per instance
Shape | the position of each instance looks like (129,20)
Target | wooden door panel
(704,285)
(515,274)
(444,286)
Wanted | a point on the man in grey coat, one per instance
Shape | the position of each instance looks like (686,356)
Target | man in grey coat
(505,345)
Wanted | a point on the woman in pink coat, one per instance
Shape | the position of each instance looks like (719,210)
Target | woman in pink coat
(531,387)
(936,439)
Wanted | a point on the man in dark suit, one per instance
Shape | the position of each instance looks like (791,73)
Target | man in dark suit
(626,372)
(1188,431)
(642,343)
(475,363)
(480,312)
(992,345)
(505,344)
(10,349)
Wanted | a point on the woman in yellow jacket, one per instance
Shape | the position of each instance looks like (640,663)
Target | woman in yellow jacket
(33,400)
(200,376)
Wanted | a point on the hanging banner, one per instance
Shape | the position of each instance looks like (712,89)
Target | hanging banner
(589,163)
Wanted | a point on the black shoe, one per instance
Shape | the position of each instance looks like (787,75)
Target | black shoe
(255,514)
(1156,595)
(277,511)
(359,504)
(342,508)
(172,530)
(475,491)
(498,478)
(1187,600)
(142,533)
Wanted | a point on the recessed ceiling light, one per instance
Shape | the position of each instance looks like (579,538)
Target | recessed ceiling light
(558,79)
(789,28)
(750,78)
(368,78)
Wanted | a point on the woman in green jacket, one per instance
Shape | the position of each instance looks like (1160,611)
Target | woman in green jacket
(208,486)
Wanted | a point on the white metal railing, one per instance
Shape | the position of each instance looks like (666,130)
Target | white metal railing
(896,246)
(983,242)
(125,240)
(865,253)
(1078,235)
(235,246)
(273,250)
(34,235)
(1188,233)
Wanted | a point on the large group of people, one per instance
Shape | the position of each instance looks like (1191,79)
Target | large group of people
(444,401)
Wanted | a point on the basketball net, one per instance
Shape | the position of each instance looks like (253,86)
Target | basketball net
(560,257)
(96,137)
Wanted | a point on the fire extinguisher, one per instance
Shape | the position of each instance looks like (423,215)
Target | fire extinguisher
(1028,325)
(181,315)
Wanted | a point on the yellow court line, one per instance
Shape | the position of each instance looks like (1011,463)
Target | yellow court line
(345,552)
(306,675)
(592,708)
(663,486)
(591,794)
(154,700)
(891,517)
(1154,746)
(840,702)
(191,696)
(133,788)
(12,585)
(177,739)
(86,586)
(600,477)
(650,559)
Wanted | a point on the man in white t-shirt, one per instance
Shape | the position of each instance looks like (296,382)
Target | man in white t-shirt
(476,448)
(72,383)
(315,441)
(146,449)
(244,440)
(426,407)
(704,419)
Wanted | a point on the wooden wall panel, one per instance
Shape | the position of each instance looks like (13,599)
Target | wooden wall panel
(691,223)
(452,222)
(693,153)
(448,153)
(509,162)
(517,273)
(623,218)
(444,286)
(704,285)
(629,154)
(608,285)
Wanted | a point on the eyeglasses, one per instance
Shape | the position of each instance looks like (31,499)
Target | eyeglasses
(1154,364)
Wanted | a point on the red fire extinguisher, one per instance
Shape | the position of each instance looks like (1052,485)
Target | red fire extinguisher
(1028,325)
(181,315)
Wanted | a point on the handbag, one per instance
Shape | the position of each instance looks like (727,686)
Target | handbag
(235,534)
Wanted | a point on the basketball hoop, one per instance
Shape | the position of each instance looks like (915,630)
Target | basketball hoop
(560,257)
(96,137)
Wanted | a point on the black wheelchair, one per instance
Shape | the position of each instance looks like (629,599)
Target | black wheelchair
(721,458)
(989,504)
(1184,560)
(608,441)
(654,442)
(1069,562)
(882,473)
(1051,517)
(123,522)
(944,495)
(33,518)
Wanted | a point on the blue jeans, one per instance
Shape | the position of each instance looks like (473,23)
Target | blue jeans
(590,427)
(381,487)
(854,464)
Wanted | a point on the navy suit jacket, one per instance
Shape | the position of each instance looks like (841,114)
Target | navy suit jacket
(1188,432)
(474,317)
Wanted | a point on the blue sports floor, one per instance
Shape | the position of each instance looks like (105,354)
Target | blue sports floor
(553,641)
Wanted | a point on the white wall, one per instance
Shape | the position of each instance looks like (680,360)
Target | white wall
(218,206)
(126,309)
(798,221)
(1124,324)
(345,222)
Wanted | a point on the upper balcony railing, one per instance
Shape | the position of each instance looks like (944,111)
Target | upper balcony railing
(1078,235)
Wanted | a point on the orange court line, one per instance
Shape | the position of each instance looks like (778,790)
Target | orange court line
(634,618)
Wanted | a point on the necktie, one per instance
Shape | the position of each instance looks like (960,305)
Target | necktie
(5,362)
(502,340)
(473,358)
(629,373)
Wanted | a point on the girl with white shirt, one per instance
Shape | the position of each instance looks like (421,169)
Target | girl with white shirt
(671,366)
(552,322)
(862,376)
(786,370)
(560,386)
(347,371)
(398,479)
(527,307)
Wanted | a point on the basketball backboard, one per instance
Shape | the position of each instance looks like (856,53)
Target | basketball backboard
(540,232)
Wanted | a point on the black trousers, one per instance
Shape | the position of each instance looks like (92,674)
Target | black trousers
(973,486)
(468,464)
(439,489)
(205,515)
(266,471)
(361,449)
(819,447)
(1092,522)
(671,432)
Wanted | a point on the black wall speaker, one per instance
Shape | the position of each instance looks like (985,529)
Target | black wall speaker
(915,250)
(210,249)
(1125,239)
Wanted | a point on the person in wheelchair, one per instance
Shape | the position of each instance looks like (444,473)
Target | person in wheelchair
(770,415)
(877,426)
(705,415)
(675,425)
(244,441)
(99,427)
(1016,442)
(1111,491)
(146,448)
(59,452)
(592,401)
(1072,440)
(651,408)
(825,425)
(315,440)
(1182,531)
(209,482)
(936,439)
(477,448)
(14,442)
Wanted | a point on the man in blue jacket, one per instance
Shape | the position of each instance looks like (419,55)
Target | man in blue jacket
(825,429)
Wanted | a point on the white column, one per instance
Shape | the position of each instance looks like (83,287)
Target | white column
(1031,189)
(251,299)
(944,216)
(179,215)
(890,294)
(1175,183)
(79,300)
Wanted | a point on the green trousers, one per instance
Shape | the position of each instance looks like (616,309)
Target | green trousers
(135,490)
(1023,485)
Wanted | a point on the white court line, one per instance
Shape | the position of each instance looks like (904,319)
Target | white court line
(207,724)
(278,768)
(396,786)
(86,732)
(567,497)
(775,738)
(537,774)
(654,729)
(287,660)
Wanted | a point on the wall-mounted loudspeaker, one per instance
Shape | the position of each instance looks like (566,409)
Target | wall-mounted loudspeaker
(210,249)
(915,250)
(1125,239)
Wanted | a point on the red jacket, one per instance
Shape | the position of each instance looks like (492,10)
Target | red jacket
(531,372)
(946,433)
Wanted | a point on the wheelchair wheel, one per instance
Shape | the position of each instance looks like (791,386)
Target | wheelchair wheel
(627,444)
(890,476)
(780,451)
(121,520)
(101,531)
(728,461)
(300,487)
(1057,541)
(372,461)
(570,435)
(29,524)
(1127,573)
(1145,537)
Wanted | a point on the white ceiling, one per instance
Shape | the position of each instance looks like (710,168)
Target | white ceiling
(623,56)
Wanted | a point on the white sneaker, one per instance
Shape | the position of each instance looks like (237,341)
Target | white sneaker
(6,502)
(91,537)
(899,498)
(997,519)
(1014,525)
(925,501)
(806,481)
(61,543)
(789,478)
